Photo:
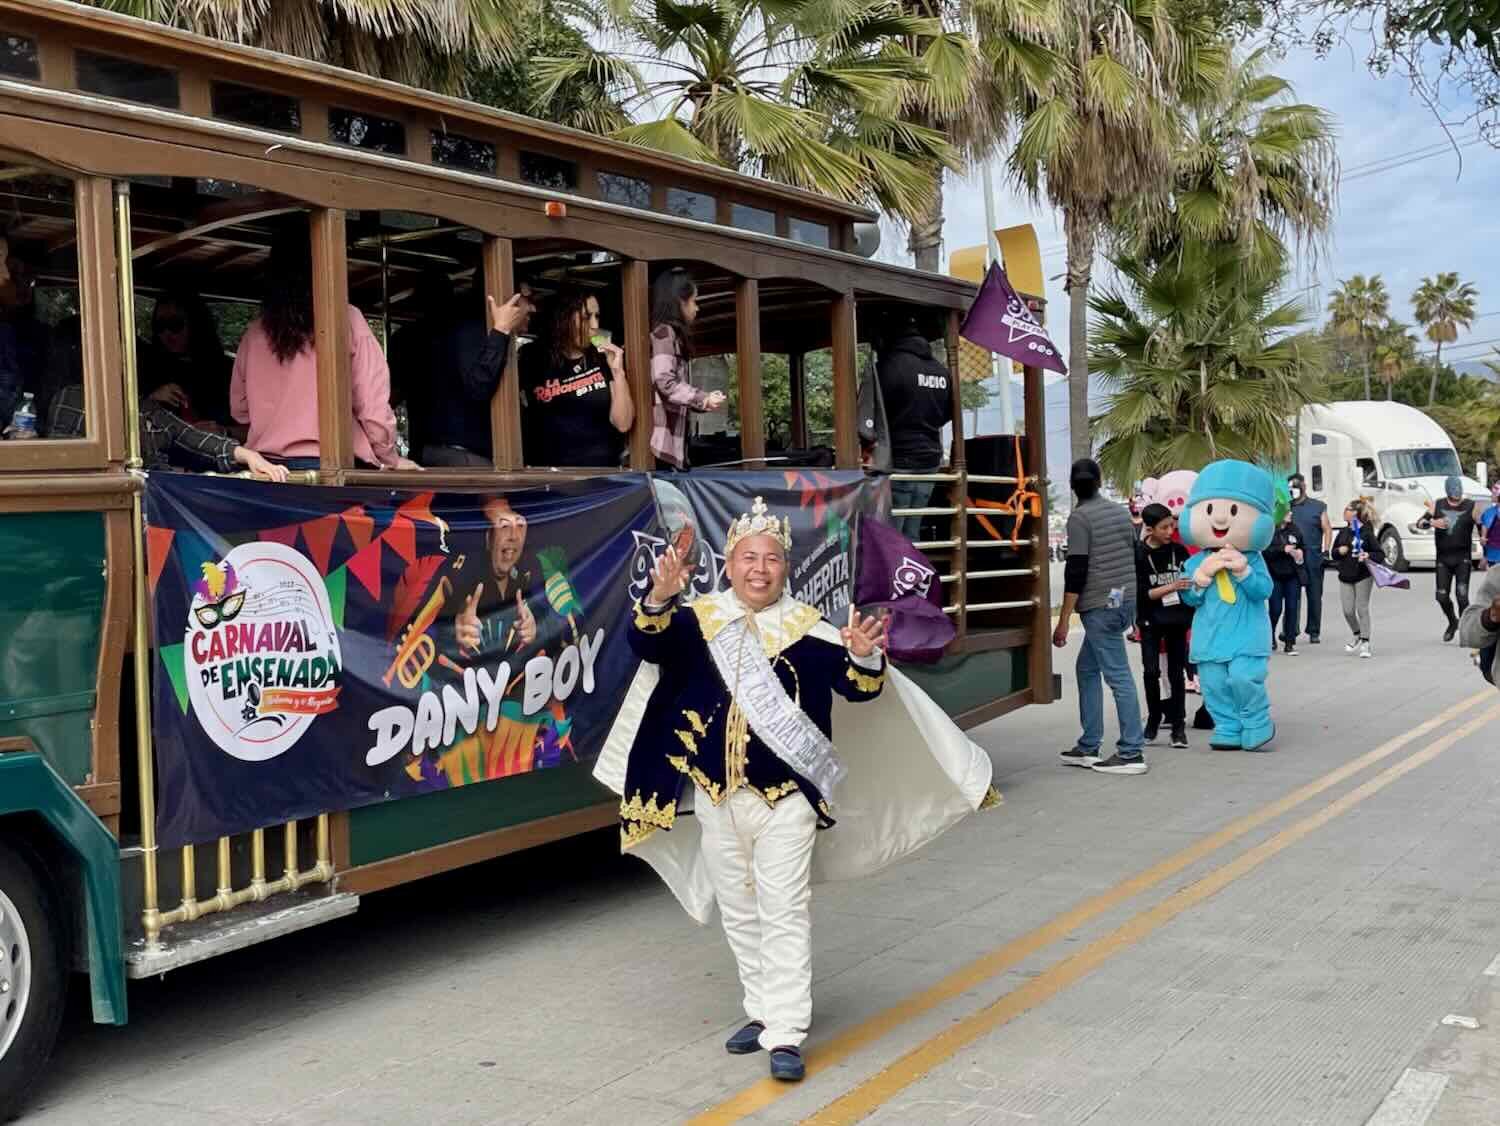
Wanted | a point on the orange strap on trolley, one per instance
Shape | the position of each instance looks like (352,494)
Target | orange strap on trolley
(1023,502)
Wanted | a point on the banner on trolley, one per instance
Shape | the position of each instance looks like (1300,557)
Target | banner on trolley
(319,649)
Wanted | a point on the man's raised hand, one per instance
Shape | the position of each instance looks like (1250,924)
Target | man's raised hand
(862,636)
(668,578)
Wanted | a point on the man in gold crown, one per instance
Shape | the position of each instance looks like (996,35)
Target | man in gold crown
(740,694)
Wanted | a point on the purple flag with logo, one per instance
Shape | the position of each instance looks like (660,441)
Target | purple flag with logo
(895,576)
(1001,321)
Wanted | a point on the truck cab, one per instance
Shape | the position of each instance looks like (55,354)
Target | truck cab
(1390,452)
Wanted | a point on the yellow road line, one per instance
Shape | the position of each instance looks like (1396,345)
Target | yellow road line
(762,1094)
(880,1088)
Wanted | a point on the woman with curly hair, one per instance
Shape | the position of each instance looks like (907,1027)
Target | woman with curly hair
(1356,544)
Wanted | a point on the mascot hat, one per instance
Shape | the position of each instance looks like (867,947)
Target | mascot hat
(1240,481)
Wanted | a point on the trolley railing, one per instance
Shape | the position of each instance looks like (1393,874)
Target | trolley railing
(961,541)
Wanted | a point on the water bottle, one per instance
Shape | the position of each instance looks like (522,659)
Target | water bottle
(23,422)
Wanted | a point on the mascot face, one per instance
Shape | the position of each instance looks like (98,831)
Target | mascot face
(1221,522)
(1231,506)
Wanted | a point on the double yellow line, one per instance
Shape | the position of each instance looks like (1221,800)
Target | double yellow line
(881,1087)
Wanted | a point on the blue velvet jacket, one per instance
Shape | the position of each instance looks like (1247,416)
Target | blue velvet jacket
(685,733)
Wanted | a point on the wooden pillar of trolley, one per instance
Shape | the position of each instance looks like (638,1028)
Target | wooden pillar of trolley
(1035,395)
(635,293)
(747,356)
(845,382)
(505,406)
(796,374)
(330,288)
(958,465)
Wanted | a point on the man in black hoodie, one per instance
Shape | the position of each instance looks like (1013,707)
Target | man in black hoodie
(916,388)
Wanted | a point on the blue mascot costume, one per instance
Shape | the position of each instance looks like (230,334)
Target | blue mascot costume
(1230,516)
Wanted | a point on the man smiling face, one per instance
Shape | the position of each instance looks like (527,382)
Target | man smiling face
(1218,522)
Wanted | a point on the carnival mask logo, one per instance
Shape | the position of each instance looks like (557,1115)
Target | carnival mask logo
(911,577)
(262,653)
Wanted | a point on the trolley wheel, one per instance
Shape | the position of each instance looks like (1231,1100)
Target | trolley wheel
(1395,557)
(33,984)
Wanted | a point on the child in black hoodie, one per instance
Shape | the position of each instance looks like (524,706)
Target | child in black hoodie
(1164,621)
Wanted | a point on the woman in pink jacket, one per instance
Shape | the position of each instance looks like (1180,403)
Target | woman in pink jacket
(274,388)
(674,307)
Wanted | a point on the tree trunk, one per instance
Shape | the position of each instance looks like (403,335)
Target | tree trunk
(926,241)
(1367,374)
(1082,235)
(1437,366)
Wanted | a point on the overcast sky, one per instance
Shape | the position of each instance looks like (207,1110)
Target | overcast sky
(1403,223)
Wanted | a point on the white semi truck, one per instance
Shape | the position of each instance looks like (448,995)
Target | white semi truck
(1389,452)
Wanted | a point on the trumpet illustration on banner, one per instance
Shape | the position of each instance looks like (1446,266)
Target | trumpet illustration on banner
(417,651)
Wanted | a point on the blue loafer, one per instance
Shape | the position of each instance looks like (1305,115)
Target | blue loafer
(787,1065)
(746,1040)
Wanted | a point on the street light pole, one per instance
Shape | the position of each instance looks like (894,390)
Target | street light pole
(999,365)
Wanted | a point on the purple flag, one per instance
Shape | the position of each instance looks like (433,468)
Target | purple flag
(895,577)
(1001,321)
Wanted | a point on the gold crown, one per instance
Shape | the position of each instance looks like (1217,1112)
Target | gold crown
(759,522)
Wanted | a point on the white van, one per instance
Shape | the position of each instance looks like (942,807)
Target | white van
(1389,452)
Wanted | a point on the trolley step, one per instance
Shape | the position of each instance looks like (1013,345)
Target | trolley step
(205,938)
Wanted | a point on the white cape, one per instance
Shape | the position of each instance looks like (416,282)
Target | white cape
(912,775)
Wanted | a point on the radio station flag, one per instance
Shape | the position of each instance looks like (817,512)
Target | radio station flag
(1001,321)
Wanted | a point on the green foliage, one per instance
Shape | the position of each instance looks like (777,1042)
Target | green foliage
(1202,361)
(404,40)
(579,99)
(808,92)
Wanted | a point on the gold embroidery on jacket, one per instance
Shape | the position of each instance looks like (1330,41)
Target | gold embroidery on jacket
(865,683)
(696,720)
(648,811)
(651,623)
(705,783)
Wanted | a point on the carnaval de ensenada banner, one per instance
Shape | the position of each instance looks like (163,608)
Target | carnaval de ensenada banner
(320,649)
(822,505)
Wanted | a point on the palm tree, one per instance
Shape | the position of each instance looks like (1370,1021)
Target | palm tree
(973,88)
(1443,305)
(1393,352)
(809,92)
(1360,307)
(1100,139)
(428,43)
(1255,167)
(1203,361)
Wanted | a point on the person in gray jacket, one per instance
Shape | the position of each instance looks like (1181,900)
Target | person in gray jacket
(1479,627)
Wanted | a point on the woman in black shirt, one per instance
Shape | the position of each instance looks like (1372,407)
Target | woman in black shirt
(578,404)
(184,367)
(1285,559)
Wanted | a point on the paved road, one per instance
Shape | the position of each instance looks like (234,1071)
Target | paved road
(1256,939)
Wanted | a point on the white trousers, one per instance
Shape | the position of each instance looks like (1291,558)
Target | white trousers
(759,858)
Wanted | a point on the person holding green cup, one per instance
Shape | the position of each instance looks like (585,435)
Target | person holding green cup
(578,403)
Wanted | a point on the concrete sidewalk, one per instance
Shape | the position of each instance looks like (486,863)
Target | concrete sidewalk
(565,986)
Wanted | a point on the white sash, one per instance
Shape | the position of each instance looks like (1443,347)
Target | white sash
(778,722)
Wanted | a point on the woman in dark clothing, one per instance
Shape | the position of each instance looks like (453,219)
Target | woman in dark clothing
(1163,620)
(578,404)
(1285,559)
(185,367)
(1354,546)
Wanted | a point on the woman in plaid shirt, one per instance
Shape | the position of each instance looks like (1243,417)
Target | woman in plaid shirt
(674,307)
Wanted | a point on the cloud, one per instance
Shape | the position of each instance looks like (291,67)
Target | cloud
(1405,222)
